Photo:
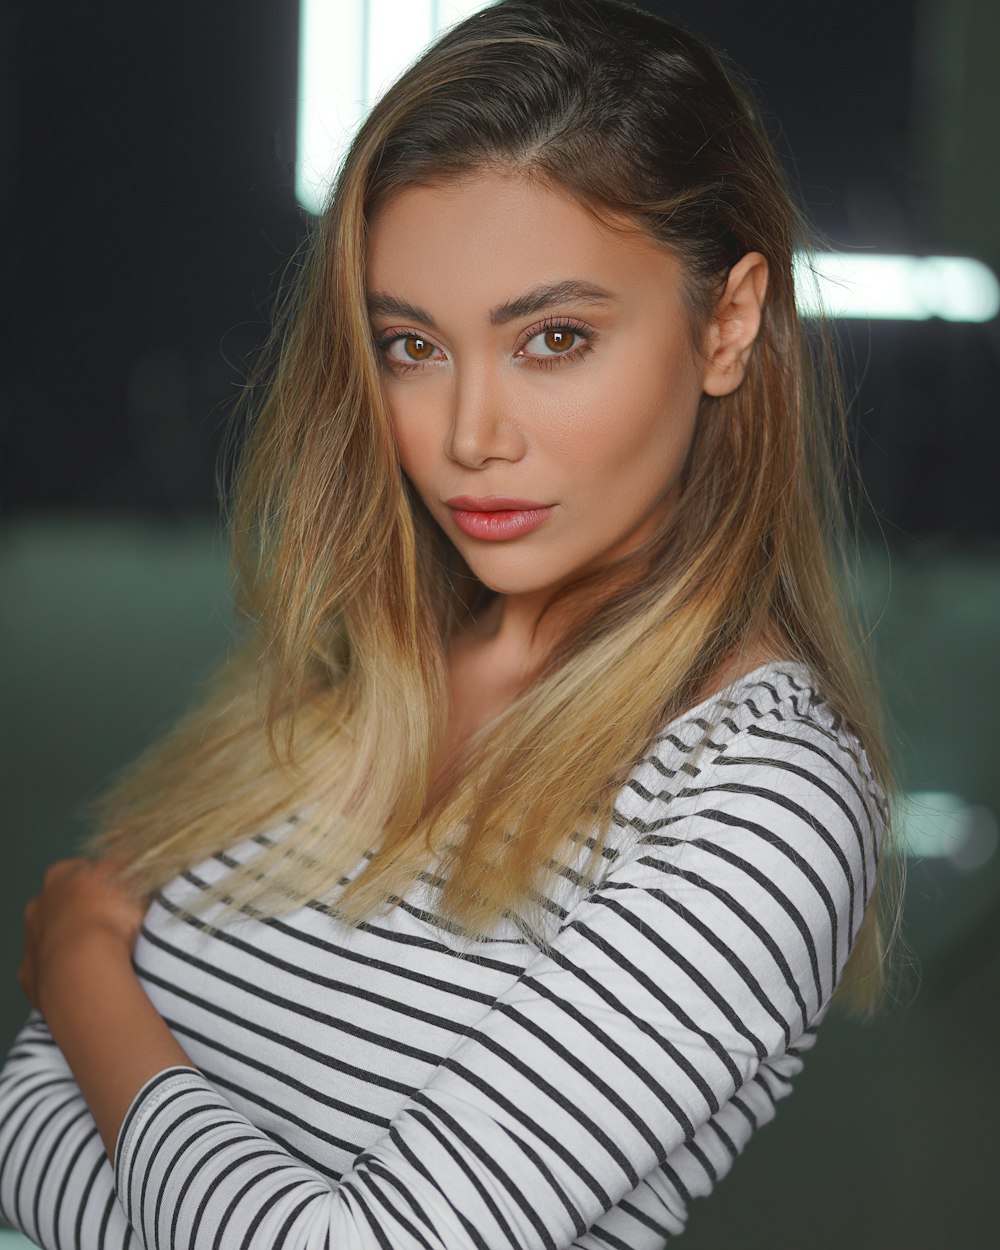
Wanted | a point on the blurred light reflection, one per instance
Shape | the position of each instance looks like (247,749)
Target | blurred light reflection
(895,288)
(349,52)
(939,825)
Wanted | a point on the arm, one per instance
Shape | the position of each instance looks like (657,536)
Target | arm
(58,1118)
(77,972)
(109,1031)
(56,1183)
(688,975)
(676,983)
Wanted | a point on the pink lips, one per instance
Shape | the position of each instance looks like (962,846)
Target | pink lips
(497,516)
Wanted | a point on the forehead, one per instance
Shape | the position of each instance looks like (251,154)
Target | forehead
(469,242)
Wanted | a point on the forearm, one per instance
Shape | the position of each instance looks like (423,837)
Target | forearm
(111,1035)
(56,1183)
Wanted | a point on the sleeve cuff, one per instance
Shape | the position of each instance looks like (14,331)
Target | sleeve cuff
(157,1090)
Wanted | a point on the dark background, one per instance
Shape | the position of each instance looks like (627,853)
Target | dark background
(148,152)
(146,171)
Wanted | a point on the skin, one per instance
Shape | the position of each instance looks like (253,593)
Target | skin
(76,970)
(602,435)
(598,423)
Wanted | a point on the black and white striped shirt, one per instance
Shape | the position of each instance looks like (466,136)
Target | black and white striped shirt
(395,1085)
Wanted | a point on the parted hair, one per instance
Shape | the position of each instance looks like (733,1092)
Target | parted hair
(331,713)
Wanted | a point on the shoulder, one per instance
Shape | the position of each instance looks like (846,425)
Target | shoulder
(763,796)
(770,731)
(752,827)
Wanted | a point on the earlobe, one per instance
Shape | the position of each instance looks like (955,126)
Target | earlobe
(734,325)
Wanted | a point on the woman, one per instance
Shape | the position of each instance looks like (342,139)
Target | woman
(493,895)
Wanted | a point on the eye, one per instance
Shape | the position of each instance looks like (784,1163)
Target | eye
(556,341)
(405,350)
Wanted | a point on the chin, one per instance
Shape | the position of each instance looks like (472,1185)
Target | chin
(511,585)
(507,581)
(513,582)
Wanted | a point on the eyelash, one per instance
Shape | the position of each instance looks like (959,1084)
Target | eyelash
(582,332)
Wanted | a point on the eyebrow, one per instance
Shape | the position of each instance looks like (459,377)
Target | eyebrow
(510,310)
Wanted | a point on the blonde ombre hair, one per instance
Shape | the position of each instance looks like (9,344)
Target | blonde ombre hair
(332,714)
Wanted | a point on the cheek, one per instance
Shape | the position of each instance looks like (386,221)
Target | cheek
(639,419)
(411,434)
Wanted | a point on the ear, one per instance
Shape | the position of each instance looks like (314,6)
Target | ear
(734,324)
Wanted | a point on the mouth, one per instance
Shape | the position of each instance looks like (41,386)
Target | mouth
(493,503)
(497,517)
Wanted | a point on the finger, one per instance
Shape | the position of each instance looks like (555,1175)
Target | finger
(61,868)
(114,873)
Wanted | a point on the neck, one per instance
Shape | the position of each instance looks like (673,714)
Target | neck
(512,633)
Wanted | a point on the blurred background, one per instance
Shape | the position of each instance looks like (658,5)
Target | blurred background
(147,176)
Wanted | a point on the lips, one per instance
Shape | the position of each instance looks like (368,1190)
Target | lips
(493,503)
(497,518)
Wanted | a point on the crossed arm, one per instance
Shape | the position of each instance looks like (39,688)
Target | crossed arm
(640,1043)
(76,971)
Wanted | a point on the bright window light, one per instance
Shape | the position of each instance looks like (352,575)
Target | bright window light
(900,288)
(349,52)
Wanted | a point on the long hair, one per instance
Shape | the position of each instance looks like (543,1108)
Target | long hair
(330,718)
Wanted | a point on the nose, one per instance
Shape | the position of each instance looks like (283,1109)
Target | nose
(483,427)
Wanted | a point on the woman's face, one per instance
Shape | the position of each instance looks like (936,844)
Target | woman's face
(531,356)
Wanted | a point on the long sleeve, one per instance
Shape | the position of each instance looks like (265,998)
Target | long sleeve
(696,967)
(611,1081)
(56,1183)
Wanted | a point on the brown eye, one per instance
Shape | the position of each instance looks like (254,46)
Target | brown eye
(553,341)
(559,340)
(417,348)
(405,349)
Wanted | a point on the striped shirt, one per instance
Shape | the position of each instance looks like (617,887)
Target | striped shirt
(398,1085)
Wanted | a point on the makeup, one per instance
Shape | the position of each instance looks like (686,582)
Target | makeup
(599,439)
(496,518)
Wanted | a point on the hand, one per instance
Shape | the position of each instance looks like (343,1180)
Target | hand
(80,901)
(77,971)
